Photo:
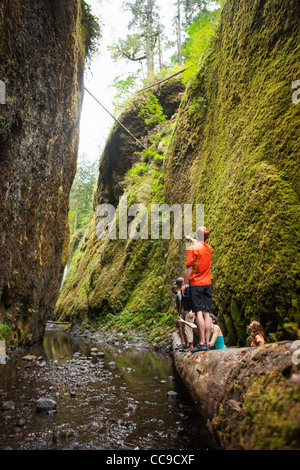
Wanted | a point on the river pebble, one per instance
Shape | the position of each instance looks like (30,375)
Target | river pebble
(8,406)
(45,404)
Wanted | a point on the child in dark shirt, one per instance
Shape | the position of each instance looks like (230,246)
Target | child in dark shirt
(178,294)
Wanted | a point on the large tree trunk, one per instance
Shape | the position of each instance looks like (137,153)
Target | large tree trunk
(250,397)
(149,48)
(179,40)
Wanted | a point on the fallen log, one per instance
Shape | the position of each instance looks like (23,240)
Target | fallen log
(250,397)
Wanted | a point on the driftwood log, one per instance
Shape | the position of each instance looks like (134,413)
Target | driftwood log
(250,397)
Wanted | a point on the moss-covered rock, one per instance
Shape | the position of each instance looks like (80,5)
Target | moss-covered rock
(231,144)
(42,59)
(236,153)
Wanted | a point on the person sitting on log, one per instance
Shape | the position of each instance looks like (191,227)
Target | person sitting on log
(216,340)
(257,334)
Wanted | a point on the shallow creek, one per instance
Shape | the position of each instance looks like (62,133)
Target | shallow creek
(106,397)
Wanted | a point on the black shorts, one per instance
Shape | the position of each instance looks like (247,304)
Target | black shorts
(201,297)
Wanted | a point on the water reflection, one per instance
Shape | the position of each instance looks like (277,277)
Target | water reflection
(57,346)
(119,400)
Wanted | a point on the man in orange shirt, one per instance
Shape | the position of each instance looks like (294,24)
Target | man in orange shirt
(197,275)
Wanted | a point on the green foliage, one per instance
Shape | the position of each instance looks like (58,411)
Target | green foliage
(196,47)
(136,173)
(150,155)
(152,111)
(81,195)
(5,332)
(141,44)
(91,31)
(131,48)
(198,103)
(125,87)
(192,9)
(149,169)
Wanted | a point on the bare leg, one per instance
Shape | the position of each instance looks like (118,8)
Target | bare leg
(201,327)
(181,335)
(188,328)
(207,325)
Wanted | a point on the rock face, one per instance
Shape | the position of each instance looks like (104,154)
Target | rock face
(42,65)
(249,396)
(235,149)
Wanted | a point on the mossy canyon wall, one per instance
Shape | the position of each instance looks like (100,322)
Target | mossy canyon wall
(42,60)
(236,150)
(230,142)
(232,145)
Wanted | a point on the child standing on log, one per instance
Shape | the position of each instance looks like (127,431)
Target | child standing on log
(178,294)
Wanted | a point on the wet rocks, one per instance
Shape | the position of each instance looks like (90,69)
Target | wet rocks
(98,406)
(45,404)
(29,358)
(129,340)
(172,394)
(8,406)
(65,377)
(21,422)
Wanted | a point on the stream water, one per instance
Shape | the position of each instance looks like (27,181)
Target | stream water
(106,398)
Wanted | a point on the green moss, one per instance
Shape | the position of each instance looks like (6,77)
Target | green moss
(5,332)
(90,30)
(121,283)
(232,147)
(265,387)
(238,157)
(269,401)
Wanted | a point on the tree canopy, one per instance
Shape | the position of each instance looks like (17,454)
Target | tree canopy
(146,27)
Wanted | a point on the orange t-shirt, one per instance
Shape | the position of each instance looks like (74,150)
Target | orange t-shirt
(199,256)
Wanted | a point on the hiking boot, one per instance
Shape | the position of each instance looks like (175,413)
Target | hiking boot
(185,349)
(199,348)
